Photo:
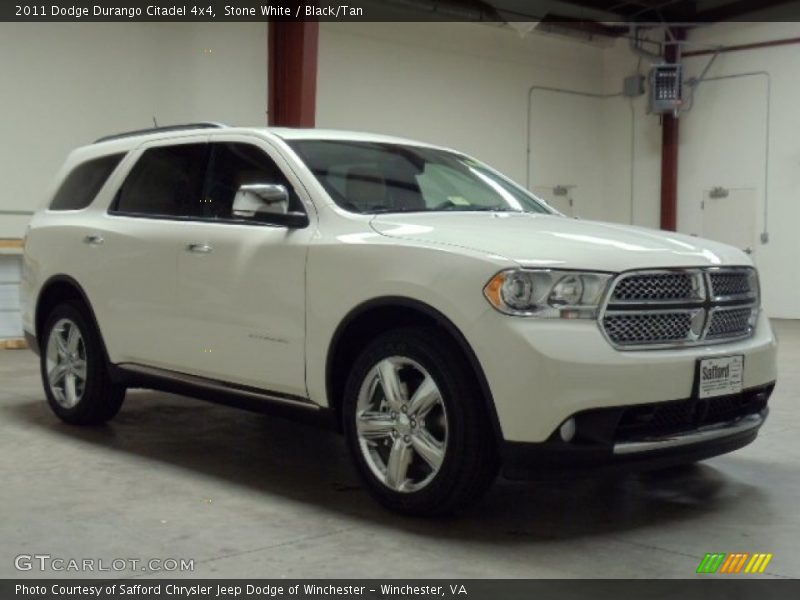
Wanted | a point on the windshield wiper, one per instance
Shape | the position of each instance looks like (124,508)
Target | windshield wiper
(387,210)
(490,209)
(383,211)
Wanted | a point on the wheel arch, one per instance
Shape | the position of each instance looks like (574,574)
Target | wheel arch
(378,315)
(57,290)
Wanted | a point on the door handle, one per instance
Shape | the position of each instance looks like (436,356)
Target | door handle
(93,240)
(199,248)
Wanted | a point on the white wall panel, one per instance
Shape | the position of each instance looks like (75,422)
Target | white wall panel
(66,84)
(466,86)
(723,142)
(10,274)
(456,84)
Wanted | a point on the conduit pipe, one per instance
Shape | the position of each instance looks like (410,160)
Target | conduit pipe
(741,47)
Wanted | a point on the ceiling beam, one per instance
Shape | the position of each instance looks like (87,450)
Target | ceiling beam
(588,27)
(739,8)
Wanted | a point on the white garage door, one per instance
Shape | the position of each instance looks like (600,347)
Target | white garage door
(731,217)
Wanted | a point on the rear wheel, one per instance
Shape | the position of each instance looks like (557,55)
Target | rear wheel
(74,369)
(416,424)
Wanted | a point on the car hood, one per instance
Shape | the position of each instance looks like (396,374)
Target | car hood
(552,241)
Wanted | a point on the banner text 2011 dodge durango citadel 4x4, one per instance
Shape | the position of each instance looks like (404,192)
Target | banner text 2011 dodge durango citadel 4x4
(447,321)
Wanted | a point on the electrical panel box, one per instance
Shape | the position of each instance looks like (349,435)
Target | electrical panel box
(666,88)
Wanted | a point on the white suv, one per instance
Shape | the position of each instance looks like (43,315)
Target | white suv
(442,317)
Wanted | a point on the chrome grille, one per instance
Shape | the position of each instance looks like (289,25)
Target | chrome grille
(660,287)
(732,322)
(641,328)
(680,307)
(731,283)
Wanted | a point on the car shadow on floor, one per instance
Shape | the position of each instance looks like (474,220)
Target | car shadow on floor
(312,466)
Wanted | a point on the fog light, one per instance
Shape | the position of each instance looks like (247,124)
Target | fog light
(567,430)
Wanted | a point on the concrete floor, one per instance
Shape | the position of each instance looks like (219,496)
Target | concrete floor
(248,496)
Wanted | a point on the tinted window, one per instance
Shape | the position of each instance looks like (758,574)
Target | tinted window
(166,181)
(82,184)
(370,177)
(233,165)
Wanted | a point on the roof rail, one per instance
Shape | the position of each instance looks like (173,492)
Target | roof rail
(200,125)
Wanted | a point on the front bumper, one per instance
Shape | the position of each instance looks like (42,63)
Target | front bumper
(643,437)
(542,371)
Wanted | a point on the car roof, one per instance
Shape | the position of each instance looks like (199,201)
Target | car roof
(290,133)
(128,140)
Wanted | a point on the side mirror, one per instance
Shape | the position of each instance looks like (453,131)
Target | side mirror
(267,203)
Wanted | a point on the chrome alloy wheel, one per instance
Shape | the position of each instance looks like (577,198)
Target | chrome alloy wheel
(401,423)
(66,363)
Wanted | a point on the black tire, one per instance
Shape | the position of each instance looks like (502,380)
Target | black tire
(470,462)
(100,399)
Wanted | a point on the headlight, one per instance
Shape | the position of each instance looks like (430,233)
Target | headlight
(547,294)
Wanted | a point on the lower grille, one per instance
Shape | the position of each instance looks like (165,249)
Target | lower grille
(731,322)
(642,421)
(648,328)
(674,417)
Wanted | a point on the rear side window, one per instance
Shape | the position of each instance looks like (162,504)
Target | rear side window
(166,182)
(82,184)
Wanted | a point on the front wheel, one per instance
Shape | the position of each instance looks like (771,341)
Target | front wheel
(74,370)
(416,424)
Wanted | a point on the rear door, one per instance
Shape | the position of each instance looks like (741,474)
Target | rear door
(241,284)
(137,252)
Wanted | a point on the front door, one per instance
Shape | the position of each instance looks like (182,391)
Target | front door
(240,284)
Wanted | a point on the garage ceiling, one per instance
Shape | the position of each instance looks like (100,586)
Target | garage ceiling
(674,11)
(609,13)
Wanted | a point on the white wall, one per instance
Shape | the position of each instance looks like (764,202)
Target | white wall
(457,84)
(65,84)
(466,86)
(630,175)
(723,143)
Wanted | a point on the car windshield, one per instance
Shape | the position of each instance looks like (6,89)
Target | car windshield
(371,178)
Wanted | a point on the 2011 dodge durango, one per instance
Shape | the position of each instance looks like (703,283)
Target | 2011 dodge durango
(447,321)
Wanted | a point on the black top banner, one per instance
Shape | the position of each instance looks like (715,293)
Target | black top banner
(606,14)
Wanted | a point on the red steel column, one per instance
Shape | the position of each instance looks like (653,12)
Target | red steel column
(293,49)
(669,173)
(669,152)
